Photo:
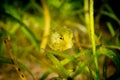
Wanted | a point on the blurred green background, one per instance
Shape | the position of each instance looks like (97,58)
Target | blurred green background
(24,22)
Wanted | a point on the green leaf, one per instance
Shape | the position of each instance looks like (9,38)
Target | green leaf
(59,66)
(25,29)
(11,10)
(45,75)
(112,56)
(82,66)
(111,29)
(112,16)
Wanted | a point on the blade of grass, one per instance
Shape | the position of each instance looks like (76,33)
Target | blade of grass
(61,54)
(46,27)
(71,59)
(110,27)
(86,12)
(82,66)
(36,6)
(112,56)
(105,68)
(93,39)
(11,10)
(45,75)
(111,15)
(8,46)
(112,47)
(24,28)
(4,60)
(109,8)
(63,71)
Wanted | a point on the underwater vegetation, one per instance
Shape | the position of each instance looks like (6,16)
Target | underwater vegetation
(59,40)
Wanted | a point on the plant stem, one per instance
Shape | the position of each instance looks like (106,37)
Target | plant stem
(93,39)
(46,28)
(110,27)
(15,64)
(86,12)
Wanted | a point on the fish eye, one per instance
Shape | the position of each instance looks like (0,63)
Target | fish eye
(61,38)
